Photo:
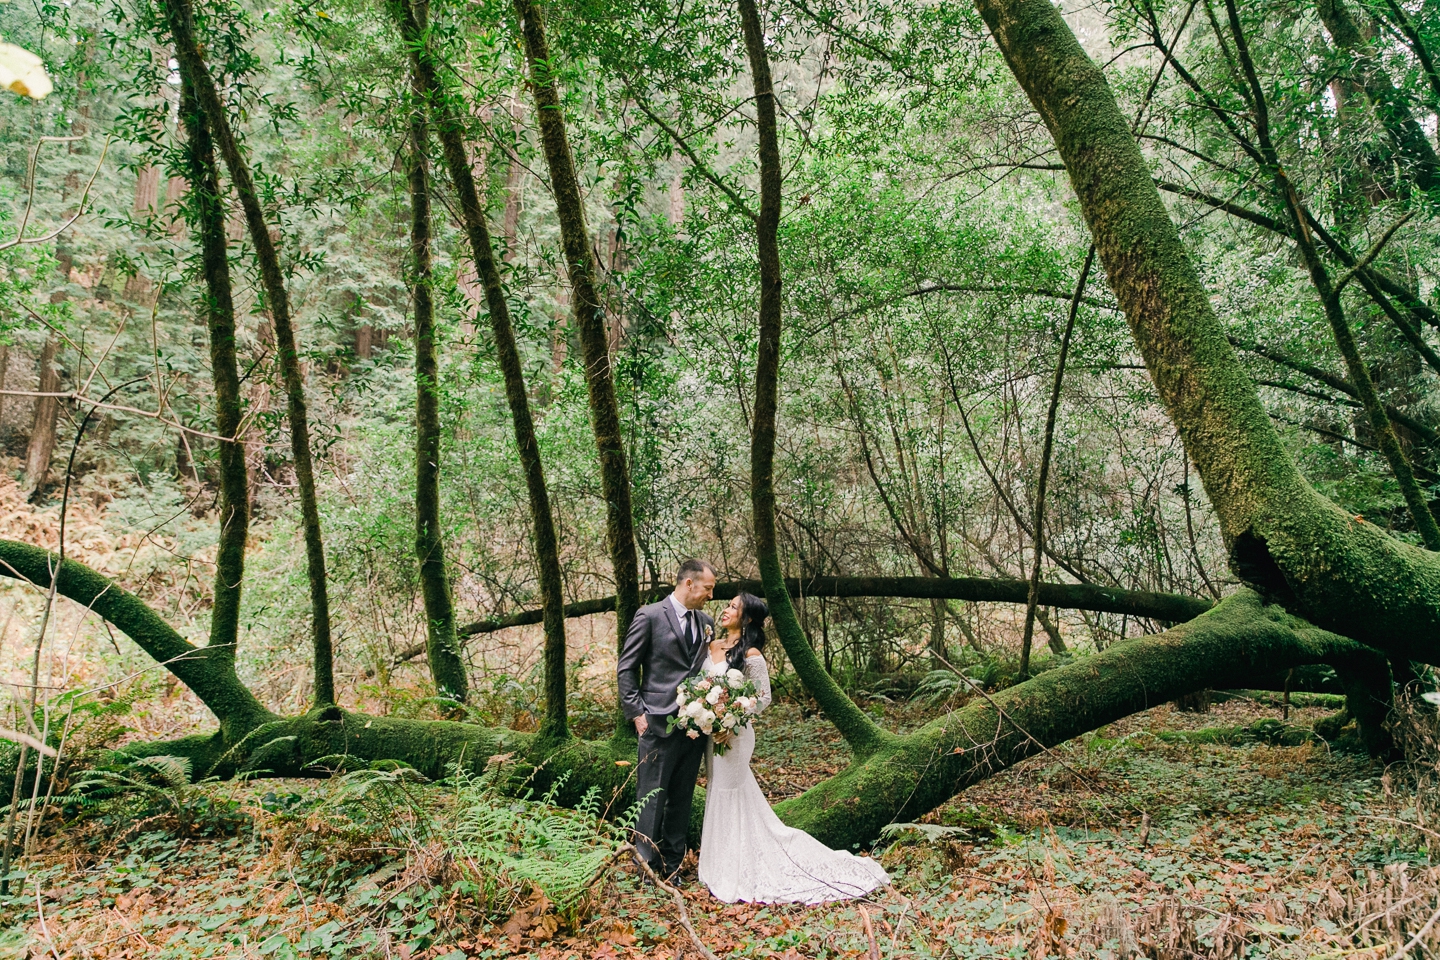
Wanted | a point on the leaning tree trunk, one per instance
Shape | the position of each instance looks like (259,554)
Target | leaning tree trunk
(180,18)
(589,320)
(42,427)
(472,214)
(1336,570)
(442,646)
(207,213)
(1223,648)
(208,671)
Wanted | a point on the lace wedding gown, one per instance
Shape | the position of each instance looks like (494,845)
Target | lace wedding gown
(746,853)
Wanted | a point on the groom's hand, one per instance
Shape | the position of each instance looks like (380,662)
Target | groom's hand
(641,725)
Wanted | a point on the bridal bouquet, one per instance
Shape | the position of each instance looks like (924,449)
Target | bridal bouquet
(711,704)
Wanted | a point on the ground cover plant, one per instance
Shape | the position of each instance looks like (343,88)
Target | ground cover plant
(1277,851)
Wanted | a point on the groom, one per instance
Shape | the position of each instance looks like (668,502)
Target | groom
(664,645)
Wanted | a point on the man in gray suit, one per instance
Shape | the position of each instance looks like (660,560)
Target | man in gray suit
(666,643)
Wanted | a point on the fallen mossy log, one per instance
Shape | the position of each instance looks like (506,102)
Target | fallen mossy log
(899,778)
(1168,607)
(907,776)
(1299,699)
(1165,607)
(912,775)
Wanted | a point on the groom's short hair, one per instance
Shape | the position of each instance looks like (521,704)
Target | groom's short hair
(692,568)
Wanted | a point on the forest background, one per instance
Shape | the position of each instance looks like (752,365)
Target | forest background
(937,266)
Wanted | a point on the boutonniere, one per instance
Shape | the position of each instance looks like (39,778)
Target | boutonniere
(709,632)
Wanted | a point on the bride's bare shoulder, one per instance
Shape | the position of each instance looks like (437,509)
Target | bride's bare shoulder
(752,652)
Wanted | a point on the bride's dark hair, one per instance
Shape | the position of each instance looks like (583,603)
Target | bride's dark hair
(753,614)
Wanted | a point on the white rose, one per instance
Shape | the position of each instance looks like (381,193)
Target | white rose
(693,709)
(714,695)
(746,704)
(707,721)
(735,677)
(680,697)
(728,722)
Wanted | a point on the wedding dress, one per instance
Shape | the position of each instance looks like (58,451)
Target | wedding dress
(746,853)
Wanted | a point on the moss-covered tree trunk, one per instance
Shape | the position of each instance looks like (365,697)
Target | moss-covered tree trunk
(905,778)
(208,671)
(589,318)
(180,17)
(860,732)
(450,132)
(1334,569)
(442,647)
(1236,641)
(207,214)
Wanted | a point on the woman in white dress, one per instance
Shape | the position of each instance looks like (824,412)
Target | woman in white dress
(746,853)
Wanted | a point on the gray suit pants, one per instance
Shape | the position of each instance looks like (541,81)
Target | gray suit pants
(668,767)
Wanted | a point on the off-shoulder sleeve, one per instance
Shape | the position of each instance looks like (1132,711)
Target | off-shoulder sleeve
(756,671)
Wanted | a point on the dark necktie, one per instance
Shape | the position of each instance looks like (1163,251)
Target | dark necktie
(690,630)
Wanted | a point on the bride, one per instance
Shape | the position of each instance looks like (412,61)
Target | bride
(746,853)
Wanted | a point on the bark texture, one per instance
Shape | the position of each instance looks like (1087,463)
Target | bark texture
(207,214)
(442,646)
(180,17)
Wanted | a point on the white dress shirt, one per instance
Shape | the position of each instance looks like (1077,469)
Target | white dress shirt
(682,612)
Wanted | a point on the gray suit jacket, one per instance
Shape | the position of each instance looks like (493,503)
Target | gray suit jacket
(654,660)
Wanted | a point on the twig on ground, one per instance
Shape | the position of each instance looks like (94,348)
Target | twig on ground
(1415,940)
(44,929)
(679,899)
(869,931)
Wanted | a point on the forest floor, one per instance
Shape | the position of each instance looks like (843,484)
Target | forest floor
(1142,839)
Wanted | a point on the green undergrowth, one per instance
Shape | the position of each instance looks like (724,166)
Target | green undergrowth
(1149,838)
